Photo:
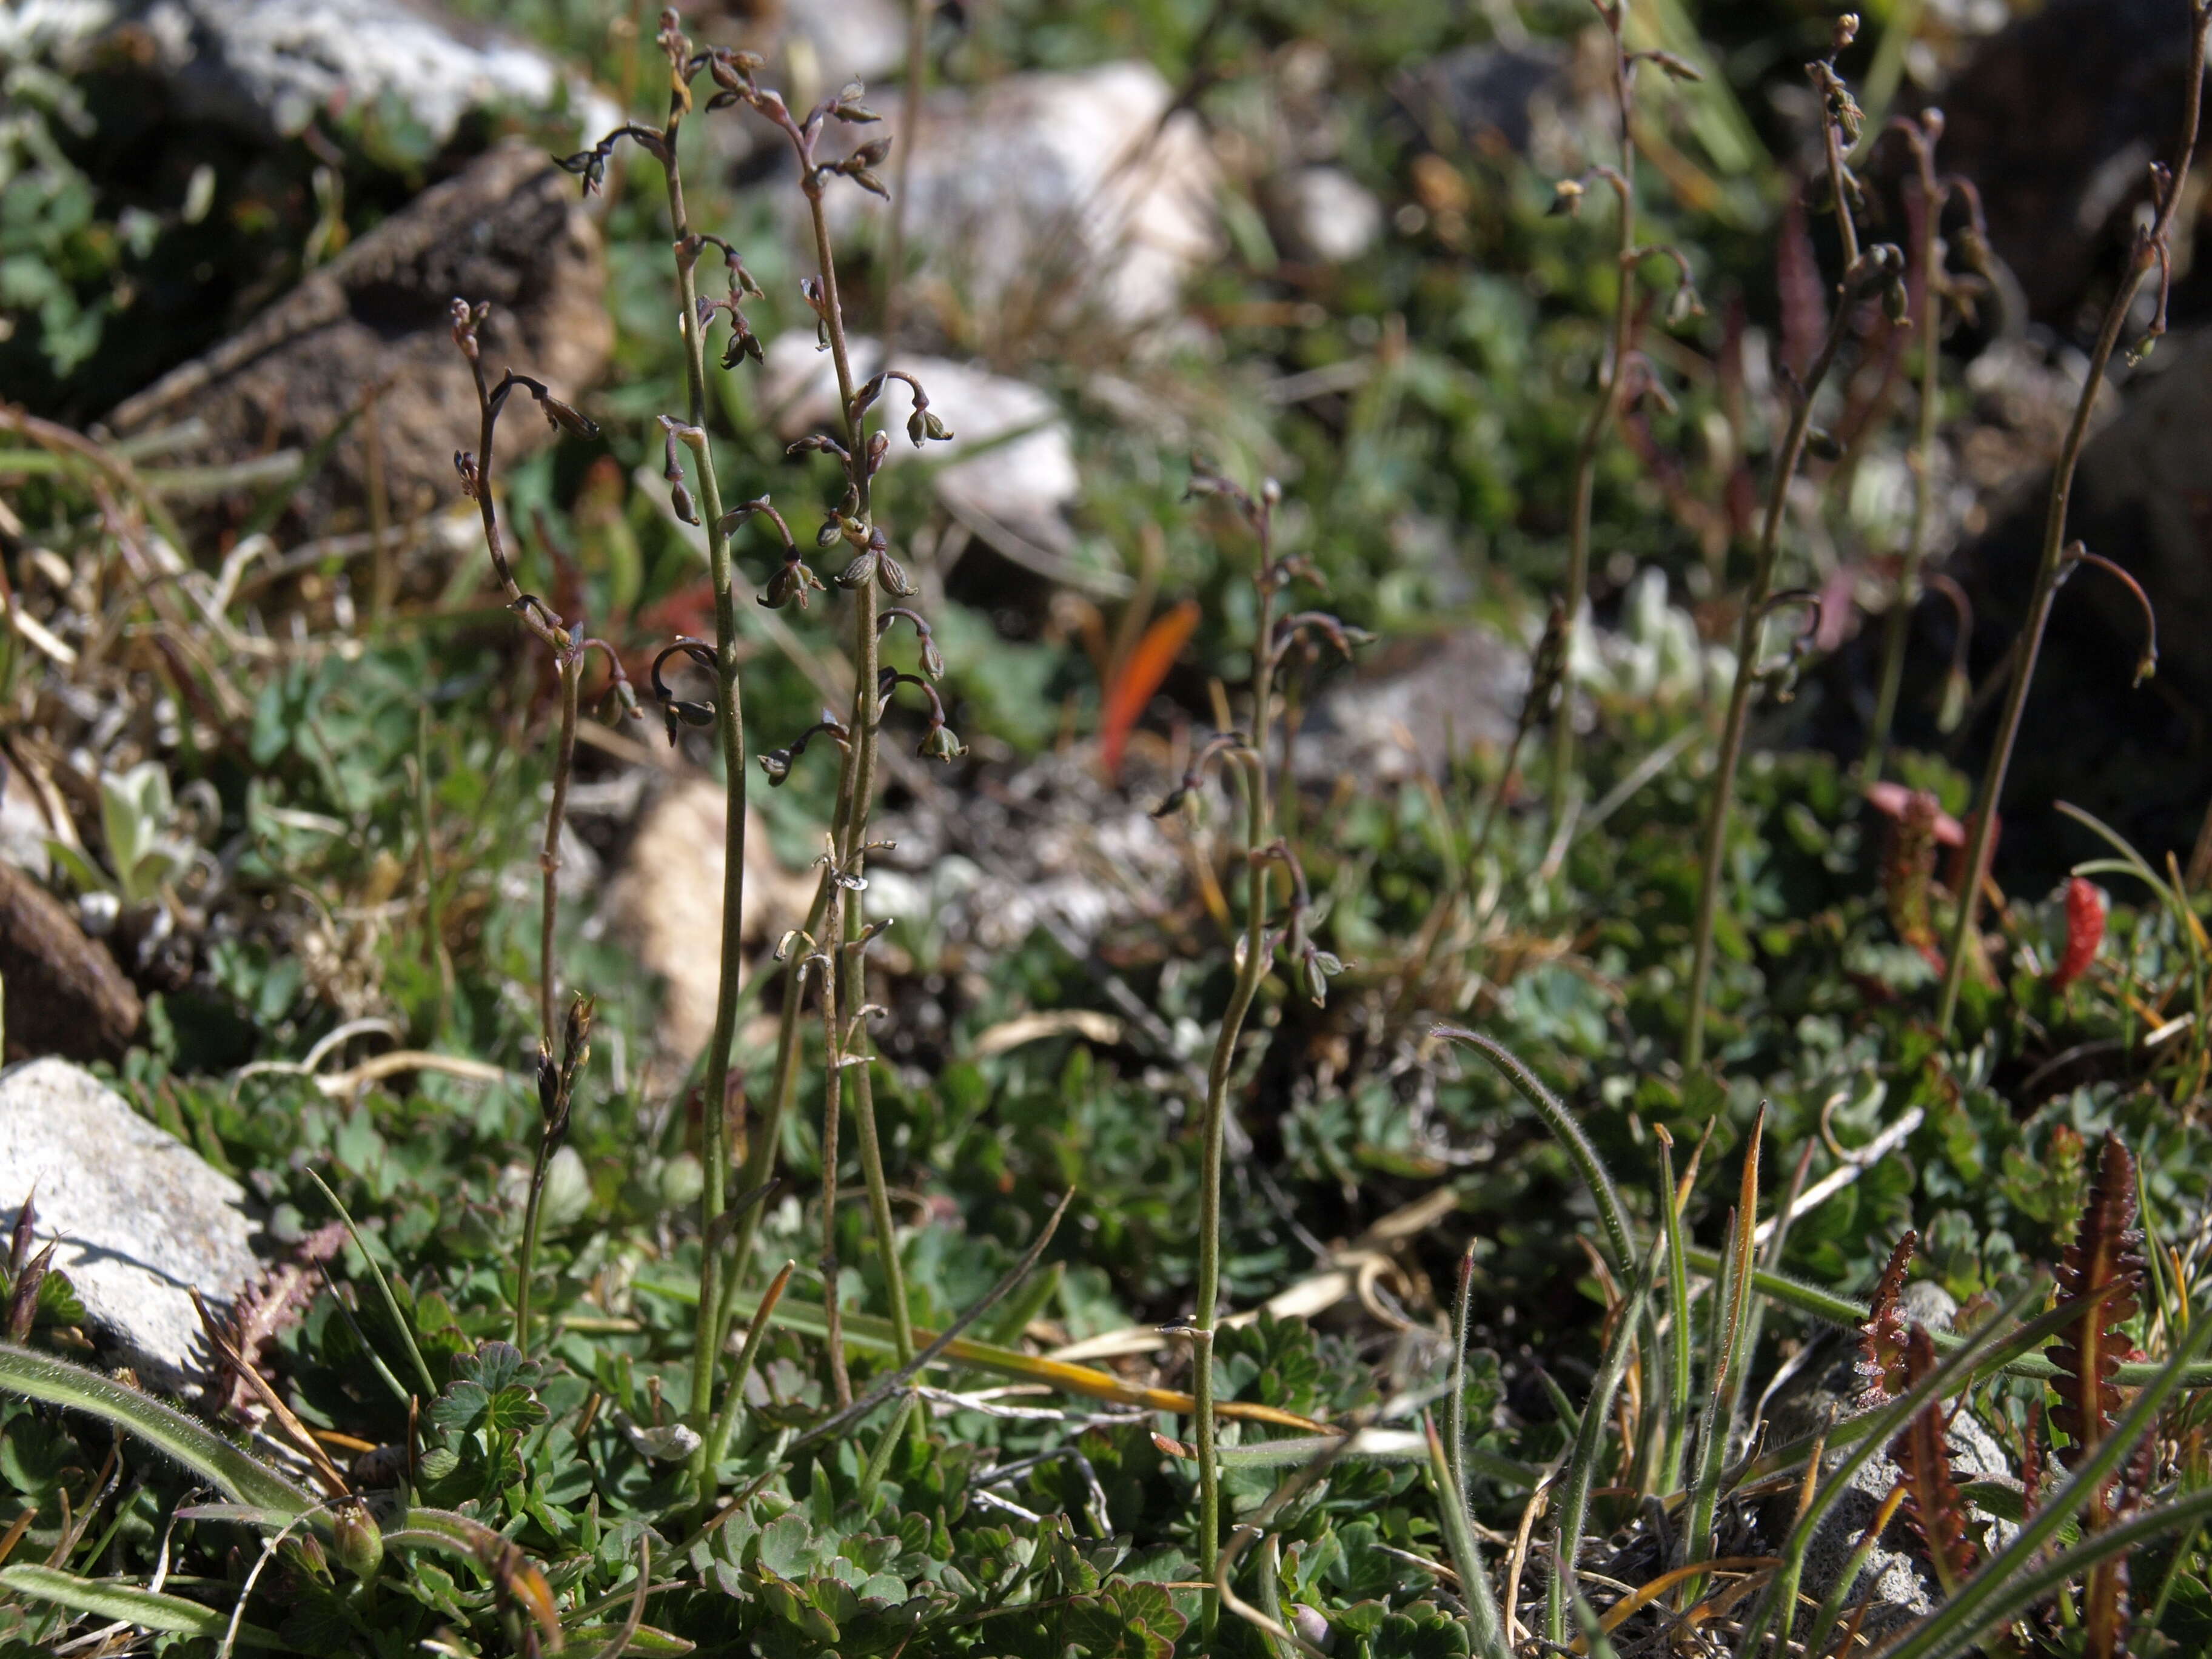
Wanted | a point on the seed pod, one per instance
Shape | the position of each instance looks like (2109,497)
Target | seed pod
(23,1297)
(893,577)
(1895,305)
(563,418)
(859,573)
(777,764)
(1822,444)
(1321,967)
(19,1245)
(932,659)
(680,498)
(938,744)
(791,581)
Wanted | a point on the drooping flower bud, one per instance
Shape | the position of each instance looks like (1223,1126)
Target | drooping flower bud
(359,1539)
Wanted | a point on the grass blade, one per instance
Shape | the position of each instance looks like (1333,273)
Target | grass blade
(127,1604)
(383,1286)
(198,1447)
(1561,1122)
(1485,1628)
(1582,1470)
(872,1333)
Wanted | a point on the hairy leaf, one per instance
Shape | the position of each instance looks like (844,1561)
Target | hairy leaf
(2107,1249)
(1932,1501)
(1883,1336)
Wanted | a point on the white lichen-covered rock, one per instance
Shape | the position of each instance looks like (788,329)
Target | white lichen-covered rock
(141,1219)
(1009,465)
(1049,200)
(269,67)
(1324,214)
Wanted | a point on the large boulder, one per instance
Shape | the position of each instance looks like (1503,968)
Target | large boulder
(511,230)
(268,68)
(141,1220)
(1045,203)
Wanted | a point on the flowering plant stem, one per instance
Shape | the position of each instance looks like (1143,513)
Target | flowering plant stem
(1898,627)
(730,744)
(836,920)
(1255,958)
(1861,271)
(1603,412)
(2153,252)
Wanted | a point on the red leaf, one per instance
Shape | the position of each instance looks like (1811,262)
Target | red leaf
(1932,1500)
(1138,677)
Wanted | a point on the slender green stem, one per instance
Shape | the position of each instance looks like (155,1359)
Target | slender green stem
(2150,252)
(729,731)
(548,857)
(1573,1510)
(1485,1626)
(1715,846)
(1455,1409)
(1610,376)
(1860,271)
(1668,1475)
(572,675)
(1256,958)
(852,832)
(833,1073)
(1898,627)
(1251,973)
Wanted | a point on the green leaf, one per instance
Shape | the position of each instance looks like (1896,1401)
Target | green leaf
(149,1609)
(644,1639)
(83,874)
(461,1407)
(513,1410)
(198,1448)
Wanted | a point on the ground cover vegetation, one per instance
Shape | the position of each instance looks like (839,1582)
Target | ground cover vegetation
(1441,1198)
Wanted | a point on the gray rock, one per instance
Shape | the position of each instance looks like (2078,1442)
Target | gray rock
(847,39)
(1053,201)
(2132,754)
(141,1219)
(2057,119)
(1323,214)
(1896,1580)
(1411,706)
(269,67)
(1007,473)
(1522,100)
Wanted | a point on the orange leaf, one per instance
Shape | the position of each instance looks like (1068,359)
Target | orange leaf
(1138,677)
